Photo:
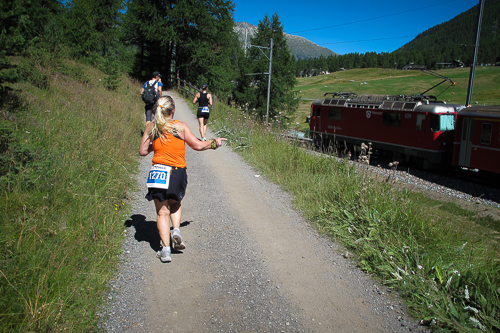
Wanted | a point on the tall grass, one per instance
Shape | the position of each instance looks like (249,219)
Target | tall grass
(443,262)
(70,150)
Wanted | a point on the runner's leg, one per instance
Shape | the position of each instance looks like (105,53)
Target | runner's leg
(200,120)
(175,213)
(162,222)
(204,127)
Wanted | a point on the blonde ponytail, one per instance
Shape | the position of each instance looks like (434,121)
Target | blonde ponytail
(163,121)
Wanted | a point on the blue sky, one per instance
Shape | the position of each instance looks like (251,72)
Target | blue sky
(356,25)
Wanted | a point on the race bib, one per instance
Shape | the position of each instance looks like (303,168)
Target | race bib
(159,176)
(205,109)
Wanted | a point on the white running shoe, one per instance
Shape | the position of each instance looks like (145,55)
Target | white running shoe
(177,240)
(164,254)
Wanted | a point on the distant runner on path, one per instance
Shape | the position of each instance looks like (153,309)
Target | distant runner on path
(204,99)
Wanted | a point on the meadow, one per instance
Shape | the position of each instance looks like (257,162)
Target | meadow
(69,154)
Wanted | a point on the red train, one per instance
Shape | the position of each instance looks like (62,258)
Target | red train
(417,128)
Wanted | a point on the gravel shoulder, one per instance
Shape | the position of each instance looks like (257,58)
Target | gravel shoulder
(251,264)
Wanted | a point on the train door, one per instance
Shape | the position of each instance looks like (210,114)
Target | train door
(466,142)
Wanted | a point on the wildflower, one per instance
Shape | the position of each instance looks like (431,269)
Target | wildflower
(471,308)
(477,324)
(449,281)
(466,293)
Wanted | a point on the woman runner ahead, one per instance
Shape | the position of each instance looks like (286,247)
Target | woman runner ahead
(167,180)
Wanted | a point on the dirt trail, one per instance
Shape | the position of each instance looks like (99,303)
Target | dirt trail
(252,263)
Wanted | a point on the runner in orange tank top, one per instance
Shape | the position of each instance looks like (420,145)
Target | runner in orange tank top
(167,180)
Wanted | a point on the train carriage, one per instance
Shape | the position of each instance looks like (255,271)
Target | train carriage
(477,139)
(417,128)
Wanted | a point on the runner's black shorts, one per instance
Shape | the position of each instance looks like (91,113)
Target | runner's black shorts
(200,114)
(176,188)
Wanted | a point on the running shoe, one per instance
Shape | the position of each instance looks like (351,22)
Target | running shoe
(164,254)
(177,240)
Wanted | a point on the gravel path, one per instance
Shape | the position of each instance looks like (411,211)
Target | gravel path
(251,264)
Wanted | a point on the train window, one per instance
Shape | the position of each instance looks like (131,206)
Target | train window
(391,119)
(317,112)
(420,122)
(486,132)
(434,123)
(334,113)
(447,122)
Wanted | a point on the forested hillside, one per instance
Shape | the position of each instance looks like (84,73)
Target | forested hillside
(455,39)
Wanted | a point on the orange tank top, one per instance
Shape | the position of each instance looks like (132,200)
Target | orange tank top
(169,150)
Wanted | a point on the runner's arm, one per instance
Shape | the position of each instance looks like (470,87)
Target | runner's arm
(192,141)
(145,147)
(196,97)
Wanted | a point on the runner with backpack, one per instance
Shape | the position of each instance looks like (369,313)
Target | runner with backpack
(151,91)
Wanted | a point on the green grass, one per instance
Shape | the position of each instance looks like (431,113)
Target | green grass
(442,259)
(67,160)
(395,82)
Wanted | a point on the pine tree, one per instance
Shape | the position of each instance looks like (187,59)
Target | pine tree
(91,26)
(193,37)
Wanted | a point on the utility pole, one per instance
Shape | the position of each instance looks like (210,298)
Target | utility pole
(474,60)
(270,58)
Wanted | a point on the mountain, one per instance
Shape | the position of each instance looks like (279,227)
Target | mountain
(300,47)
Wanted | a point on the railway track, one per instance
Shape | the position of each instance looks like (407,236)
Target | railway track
(470,186)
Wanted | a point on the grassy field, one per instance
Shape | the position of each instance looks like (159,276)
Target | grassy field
(395,82)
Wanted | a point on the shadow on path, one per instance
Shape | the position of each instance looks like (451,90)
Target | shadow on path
(146,231)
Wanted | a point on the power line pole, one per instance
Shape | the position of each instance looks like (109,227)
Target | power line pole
(269,82)
(474,60)
(270,58)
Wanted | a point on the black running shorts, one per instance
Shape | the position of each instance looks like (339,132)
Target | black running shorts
(176,187)
(200,114)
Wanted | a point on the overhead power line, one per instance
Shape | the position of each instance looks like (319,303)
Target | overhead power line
(374,18)
(368,40)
